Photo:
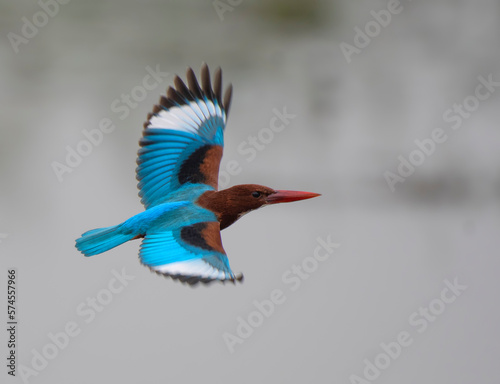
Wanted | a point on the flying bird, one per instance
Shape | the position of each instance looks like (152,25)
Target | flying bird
(178,166)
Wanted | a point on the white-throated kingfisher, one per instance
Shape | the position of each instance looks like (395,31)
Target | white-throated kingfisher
(178,168)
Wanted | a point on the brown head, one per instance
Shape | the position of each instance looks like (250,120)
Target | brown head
(232,203)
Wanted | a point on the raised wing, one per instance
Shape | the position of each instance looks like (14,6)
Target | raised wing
(191,254)
(183,138)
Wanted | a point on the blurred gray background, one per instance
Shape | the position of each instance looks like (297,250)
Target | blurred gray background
(353,120)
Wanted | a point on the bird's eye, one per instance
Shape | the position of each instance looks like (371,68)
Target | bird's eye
(256,194)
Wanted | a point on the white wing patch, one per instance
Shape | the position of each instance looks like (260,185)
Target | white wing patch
(194,268)
(187,118)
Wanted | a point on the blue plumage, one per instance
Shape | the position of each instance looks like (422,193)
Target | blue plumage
(101,240)
(178,161)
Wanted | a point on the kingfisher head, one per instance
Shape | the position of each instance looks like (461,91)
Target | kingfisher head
(232,203)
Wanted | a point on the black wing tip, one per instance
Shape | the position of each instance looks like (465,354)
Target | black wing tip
(227,98)
(183,93)
(182,89)
(218,85)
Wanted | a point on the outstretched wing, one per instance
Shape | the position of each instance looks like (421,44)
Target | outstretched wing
(192,254)
(183,138)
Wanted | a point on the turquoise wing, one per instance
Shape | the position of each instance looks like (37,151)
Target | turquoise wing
(191,254)
(183,138)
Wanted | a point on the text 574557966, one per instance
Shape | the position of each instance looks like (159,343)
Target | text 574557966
(11,321)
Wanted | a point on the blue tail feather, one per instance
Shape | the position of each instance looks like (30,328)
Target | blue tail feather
(101,240)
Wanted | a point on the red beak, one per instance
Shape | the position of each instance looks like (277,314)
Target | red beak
(289,196)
